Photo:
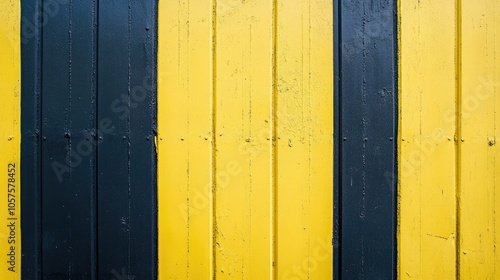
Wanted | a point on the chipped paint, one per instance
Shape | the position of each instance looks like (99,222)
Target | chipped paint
(264,92)
(448,75)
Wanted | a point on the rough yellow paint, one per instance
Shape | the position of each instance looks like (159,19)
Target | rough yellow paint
(427,204)
(449,76)
(10,140)
(305,137)
(243,121)
(245,140)
(480,47)
(185,140)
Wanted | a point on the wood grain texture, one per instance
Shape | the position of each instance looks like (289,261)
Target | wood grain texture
(479,154)
(448,147)
(229,101)
(427,206)
(185,140)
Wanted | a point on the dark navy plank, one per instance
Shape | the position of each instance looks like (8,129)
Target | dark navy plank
(367,97)
(114,149)
(67,117)
(142,147)
(30,143)
(337,157)
(126,157)
(88,153)
(55,145)
(82,126)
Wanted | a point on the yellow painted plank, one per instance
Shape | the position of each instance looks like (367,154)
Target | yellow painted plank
(10,140)
(185,140)
(304,139)
(479,150)
(217,81)
(496,140)
(427,178)
(243,114)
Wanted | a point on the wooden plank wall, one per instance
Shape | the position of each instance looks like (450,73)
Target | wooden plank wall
(88,127)
(245,139)
(365,132)
(449,77)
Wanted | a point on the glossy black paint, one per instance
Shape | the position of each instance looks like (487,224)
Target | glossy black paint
(89,174)
(365,139)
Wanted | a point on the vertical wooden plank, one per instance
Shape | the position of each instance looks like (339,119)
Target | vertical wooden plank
(427,149)
(368,127)
(31,144)
(66,172)
(352,125)
(172,166)
(320,115)
(185,140)
(243,117)
(10,140)
(304,139)
(82,123)
(126,129)
(496,139)
(113,193)
(479,150)
(337,170)
(55,147)
(142,154)
(67,154)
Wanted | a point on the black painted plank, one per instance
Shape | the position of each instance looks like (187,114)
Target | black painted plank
(89,195)
(337,168)
(82,122)
(67,114)
(367,95)
(114,149)
(353,148)
(126,157)
(55,146)
(142,148)
(30,144)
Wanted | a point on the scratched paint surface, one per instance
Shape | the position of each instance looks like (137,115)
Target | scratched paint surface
(479,131)
(88,125)
(448,129)
(10,139)
(245,139)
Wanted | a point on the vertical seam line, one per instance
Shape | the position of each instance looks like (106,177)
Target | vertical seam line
(214,137)
(398,136)
(94,196)
(338,114)
(39,76)
(458,128)
(274,141)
